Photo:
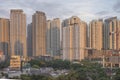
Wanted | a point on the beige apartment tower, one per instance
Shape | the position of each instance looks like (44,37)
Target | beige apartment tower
(39,33)
(18,33)
(112,33)
(74,39)
(53,37)
(4,36)
(96,34)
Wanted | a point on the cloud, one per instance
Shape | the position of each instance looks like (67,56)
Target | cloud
(85,9)
(4,13)
(102,13)
(116,6)
(51,8)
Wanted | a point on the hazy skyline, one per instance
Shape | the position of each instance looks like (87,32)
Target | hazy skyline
(85,9)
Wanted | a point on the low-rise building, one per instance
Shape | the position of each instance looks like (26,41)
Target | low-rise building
(15,62)
(108,58)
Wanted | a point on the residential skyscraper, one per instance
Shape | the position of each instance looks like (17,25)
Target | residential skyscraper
(112,33)
(29,40)
(96,34)
(48,35)
(39,33)
(74,39)
(4,36)
(53,37)
(18,33)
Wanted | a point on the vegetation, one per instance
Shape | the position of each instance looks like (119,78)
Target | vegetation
(84,70)
(36,77)
(4,64)
(56,64)
(117,76)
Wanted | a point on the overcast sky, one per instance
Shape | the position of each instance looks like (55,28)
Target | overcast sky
(85,9)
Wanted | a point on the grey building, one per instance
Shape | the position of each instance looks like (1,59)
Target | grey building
(53,37)
(29,40)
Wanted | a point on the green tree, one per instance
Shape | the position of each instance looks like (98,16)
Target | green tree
(35,66)
(117,76)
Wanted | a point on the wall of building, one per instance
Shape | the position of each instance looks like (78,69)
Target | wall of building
(5,36)
(18,45)
(39,33)
(74,39)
